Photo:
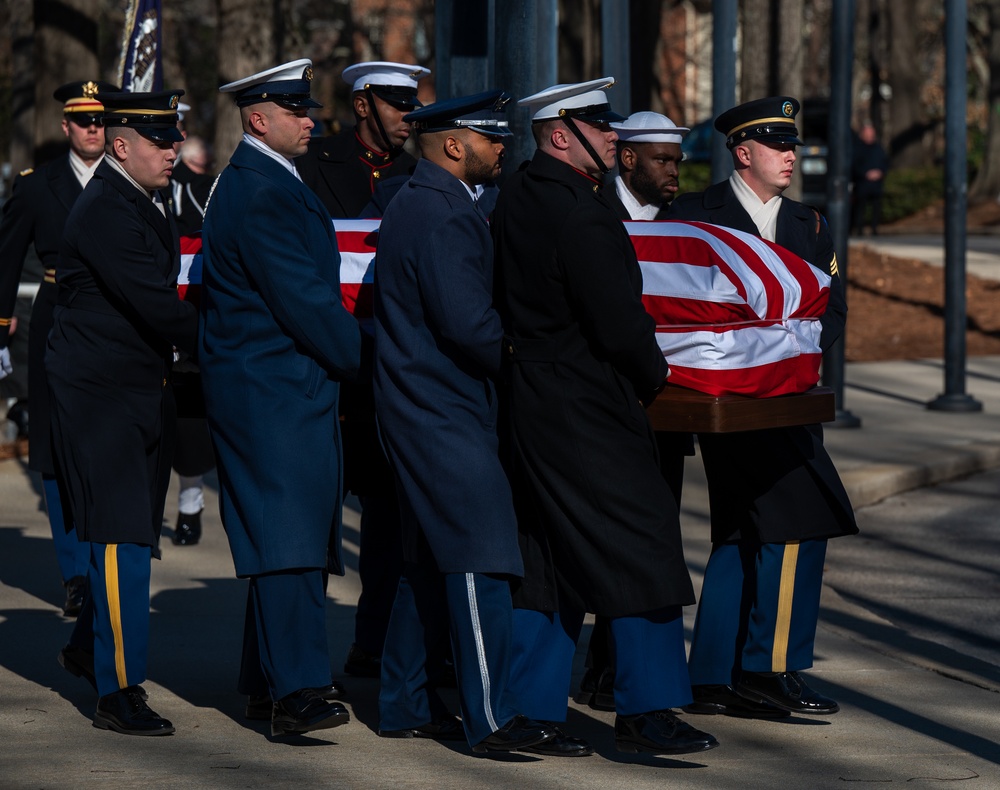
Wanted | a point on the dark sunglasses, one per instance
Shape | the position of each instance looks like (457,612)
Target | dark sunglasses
(85,121)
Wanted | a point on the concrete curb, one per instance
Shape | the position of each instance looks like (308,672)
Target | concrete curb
(872,483)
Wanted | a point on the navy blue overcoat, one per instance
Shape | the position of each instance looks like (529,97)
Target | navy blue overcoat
(275,342)
(437,352)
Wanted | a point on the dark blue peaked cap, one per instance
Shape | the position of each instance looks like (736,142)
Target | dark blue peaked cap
(481,112)
(153,115)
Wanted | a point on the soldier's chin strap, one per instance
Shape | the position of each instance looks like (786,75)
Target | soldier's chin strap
(389,147)
(571,125)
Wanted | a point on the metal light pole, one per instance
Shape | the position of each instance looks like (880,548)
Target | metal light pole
(838,200)
(723,80)
(463,30)
(955,203)
(615,53)
(525,63)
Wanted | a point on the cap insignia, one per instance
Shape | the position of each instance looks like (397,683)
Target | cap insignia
(90,90)
(308,74)
(787,109)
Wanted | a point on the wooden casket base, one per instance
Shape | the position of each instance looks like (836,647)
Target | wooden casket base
(682,409)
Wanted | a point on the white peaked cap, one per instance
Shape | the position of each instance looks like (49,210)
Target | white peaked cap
(383,72)
(584,100)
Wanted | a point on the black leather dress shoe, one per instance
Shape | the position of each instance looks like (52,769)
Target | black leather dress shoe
(443,728)
(304,711)
(561,746)
(362,664)
(188,529)
(660,732)
(76,589)
(260,708)
(722,699)
(597,689)
(78,662)
(785,690)
(516,734)
(126,712)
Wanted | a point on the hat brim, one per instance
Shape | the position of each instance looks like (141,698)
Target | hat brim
(604,116)
(492,131)
(160,134)
(776,139)
(306,101)
(404,103)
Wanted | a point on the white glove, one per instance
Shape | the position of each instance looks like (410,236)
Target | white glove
(5,366)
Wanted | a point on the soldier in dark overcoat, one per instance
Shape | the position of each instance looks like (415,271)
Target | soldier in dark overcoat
(344,170)
(437,356)
(649,156)
(275,344)
(108,360)
(775,494)
(604,536)
(35,214)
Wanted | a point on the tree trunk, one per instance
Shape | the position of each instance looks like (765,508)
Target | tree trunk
(756,66)
(908,124)
(22,85)
(987,183)
(251,24)
(66,50)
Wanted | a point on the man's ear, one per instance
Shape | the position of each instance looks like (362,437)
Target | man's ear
(559,137)
(626,158)
(119,145)
(742,154)
(258,123)
(360,105)
(454,148)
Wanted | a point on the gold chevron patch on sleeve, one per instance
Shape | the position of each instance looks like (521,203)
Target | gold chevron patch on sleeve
(833,265)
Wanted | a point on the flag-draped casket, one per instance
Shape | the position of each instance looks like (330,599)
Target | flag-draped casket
(735,314)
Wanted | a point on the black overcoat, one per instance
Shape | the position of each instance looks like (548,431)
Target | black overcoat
(36,213)
(778,484)
(602,533)
(344,172)
(109,354)
(437,353)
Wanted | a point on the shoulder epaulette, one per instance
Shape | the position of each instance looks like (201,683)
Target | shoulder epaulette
(27,172)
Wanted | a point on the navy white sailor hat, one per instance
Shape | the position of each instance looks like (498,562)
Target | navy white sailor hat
(770,120)
(153,115)
(395,83)
(80,99)
(649,127)
(287,84)
(584,100)
(481,112)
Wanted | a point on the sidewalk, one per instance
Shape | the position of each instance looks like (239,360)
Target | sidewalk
(900,723)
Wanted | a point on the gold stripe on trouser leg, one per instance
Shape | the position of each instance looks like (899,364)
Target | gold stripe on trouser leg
(783,620)
(115,610)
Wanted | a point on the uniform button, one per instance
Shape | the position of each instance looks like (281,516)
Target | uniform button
(164,382)
(376,174)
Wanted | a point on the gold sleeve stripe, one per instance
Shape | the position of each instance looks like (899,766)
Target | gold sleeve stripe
(833,266)
(5,321)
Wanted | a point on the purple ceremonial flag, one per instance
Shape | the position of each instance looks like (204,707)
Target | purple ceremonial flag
(141,69)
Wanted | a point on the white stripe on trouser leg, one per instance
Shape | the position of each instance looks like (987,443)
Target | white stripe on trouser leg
(477,631)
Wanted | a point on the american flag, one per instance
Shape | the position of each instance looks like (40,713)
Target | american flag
(141,67)
(735,314)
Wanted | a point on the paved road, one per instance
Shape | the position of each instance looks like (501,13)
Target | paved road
(927,564)
(901,722)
